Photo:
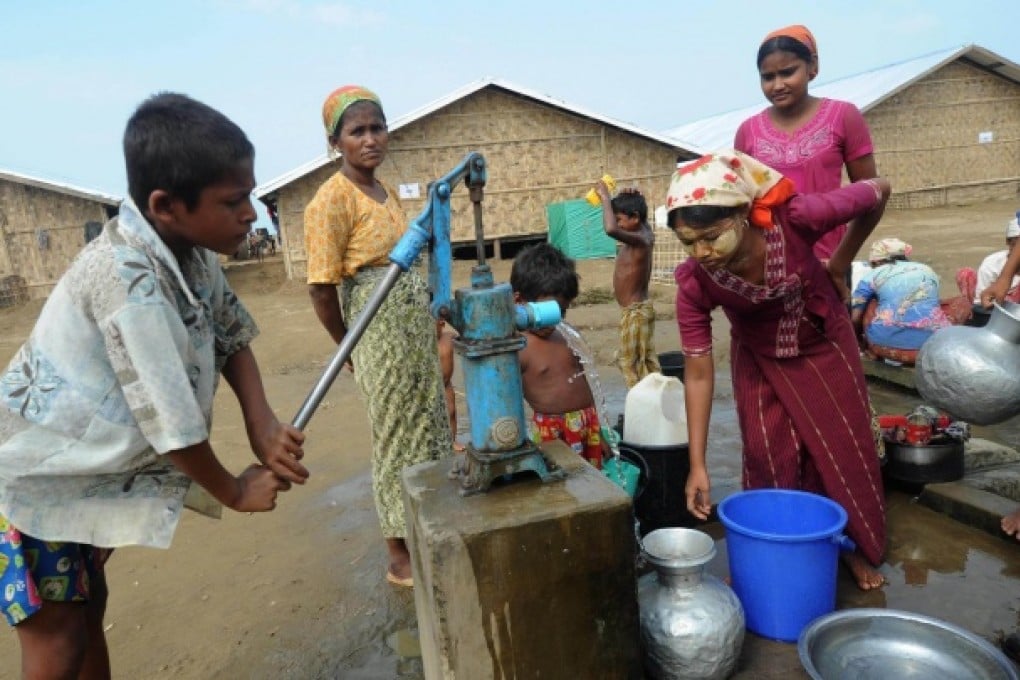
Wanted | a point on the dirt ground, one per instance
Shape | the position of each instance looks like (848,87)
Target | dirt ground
(288,594)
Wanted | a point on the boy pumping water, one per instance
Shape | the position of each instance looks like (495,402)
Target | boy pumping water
(106,409)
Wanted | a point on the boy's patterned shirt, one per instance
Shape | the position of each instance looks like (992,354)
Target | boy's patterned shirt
(122,366)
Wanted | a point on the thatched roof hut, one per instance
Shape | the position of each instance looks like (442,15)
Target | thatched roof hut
(43,226)
(946,125)
(538,151)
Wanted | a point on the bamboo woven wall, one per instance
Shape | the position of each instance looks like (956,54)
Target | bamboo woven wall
(666,255)
(41,232)
(926,138)
(536,154)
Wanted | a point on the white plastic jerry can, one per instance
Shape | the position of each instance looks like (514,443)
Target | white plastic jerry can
(654,412)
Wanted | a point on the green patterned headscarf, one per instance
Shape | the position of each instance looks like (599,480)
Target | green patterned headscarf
(339,101)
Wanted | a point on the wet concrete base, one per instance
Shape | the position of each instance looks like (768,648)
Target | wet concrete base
(990,487)
(526,580)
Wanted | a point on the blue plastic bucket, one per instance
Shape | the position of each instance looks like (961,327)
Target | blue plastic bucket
(783,553)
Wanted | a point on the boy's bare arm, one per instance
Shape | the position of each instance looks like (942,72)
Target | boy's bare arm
(275,444)
(253,491)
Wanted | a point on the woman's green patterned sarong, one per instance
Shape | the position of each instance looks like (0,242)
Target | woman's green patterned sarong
(396,366)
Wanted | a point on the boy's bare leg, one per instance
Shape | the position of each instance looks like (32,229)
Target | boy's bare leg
(400,558)
(53,641)
(1011,523)
(867,577)
(97,656)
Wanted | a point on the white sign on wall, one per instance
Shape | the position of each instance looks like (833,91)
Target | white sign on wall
(409,191)
(986,137)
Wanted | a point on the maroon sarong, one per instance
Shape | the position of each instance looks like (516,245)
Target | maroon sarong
(803,407)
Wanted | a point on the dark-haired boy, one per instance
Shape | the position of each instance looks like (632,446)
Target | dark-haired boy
(553,377)
(105,410)
(625,218)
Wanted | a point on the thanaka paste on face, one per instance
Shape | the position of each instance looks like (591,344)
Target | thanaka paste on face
(726,243)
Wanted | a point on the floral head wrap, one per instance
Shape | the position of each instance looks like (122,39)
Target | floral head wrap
(340,100)
(798,32)
(730,178)
(887,249)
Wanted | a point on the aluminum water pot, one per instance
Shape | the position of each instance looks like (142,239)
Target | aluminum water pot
(974,373)
(692,624)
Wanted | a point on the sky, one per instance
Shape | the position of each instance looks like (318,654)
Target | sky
(72,72)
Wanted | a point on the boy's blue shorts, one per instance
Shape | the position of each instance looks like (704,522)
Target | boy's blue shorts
(32,571)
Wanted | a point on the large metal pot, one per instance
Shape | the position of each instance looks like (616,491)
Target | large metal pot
(974,373)
(692,624)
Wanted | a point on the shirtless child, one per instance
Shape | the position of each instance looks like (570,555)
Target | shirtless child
(625,218)
(445,340)
(553,378)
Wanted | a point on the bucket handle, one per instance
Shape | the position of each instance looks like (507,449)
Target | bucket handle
(844,542)
(646,472)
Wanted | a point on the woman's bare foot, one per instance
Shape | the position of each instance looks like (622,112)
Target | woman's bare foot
(400,559)
(1011,524)
(867,577)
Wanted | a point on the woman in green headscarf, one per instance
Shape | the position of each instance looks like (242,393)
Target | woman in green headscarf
(351,225)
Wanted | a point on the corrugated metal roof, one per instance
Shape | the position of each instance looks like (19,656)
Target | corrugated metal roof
(316,163)
(865,90)
(60,187)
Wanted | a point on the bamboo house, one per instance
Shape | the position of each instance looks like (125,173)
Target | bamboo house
(946,125)
(43,226)
(539,151)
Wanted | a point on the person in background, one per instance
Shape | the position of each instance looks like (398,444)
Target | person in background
(444,338)
(552,376)
(802,402)
(351,225)
(998,292)
(625,219)
(972,283)
(105,411)
(810,140)
(896,306)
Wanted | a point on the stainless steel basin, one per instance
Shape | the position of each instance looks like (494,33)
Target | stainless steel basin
(876,644)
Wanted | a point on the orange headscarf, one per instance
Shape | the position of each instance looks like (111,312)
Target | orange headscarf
(798,32)
(730,178)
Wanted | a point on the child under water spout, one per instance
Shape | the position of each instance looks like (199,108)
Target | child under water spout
(551,373)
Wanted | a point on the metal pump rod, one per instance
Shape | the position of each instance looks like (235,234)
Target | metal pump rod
(430,229)
(343,352)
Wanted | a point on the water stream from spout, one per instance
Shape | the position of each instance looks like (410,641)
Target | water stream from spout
(585,355)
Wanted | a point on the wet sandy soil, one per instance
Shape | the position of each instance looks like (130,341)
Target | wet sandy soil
(299,592)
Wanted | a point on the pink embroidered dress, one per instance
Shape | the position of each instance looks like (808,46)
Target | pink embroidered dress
(801,398)
(813,156)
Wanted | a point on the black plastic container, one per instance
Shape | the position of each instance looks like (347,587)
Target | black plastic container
(672,364)
(660,500)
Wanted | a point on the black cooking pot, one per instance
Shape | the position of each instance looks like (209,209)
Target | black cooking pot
(940,460)
(660,501)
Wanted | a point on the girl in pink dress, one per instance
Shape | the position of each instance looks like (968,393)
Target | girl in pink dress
(801,399)
(808,139)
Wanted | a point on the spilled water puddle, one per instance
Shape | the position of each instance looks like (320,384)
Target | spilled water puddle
(405,643)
